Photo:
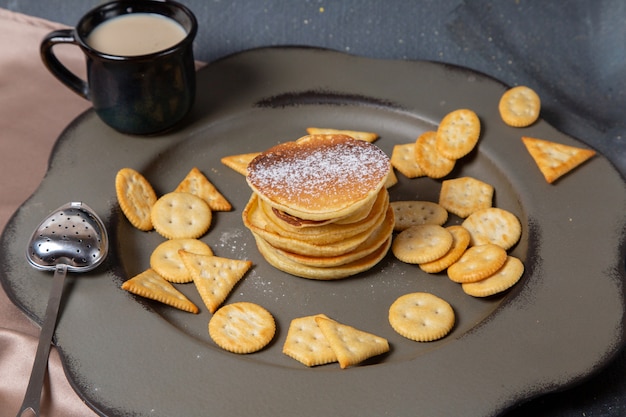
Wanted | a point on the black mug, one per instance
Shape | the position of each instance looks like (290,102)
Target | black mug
(135,94)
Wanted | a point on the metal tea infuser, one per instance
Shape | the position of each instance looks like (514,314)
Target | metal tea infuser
(74,239)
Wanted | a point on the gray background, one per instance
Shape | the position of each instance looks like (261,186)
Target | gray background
(572,52)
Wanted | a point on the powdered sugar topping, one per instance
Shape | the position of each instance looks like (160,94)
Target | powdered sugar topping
(341,169)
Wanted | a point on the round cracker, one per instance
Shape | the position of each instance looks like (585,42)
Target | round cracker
(519,106)
(422,243)
(493,225)
(429,159)
(502,280)
(179,215)
(478,262)
(458,133)
(242,327)
(166,261)
(460,242)
(421,316)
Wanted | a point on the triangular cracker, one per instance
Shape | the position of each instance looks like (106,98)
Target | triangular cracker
(352,346)
(392,178)
(555,159)
(306,343)
(214,276)
(239,163)
(197,184)
(151,285)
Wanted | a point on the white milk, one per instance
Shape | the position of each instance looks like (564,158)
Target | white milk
(136,34)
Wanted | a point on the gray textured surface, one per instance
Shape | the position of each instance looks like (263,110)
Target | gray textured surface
(573,53)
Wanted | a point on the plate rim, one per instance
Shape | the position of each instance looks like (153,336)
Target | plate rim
(245,54)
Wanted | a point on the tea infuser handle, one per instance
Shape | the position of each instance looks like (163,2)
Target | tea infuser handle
(60,71)
(32,398)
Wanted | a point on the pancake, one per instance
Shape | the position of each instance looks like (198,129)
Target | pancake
(289,266)
(371,244)
(297,222)
(328,233)
(254,219)
(290,222)
(319,177)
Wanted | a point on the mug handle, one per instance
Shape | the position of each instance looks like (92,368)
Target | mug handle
(55,66)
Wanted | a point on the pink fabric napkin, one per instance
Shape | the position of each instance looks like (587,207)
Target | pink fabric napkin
(34,110)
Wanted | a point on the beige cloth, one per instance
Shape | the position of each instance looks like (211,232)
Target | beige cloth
(34,110)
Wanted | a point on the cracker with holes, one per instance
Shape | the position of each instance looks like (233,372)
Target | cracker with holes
(239,163)
(149,284)
(433,163)
(421,316)
(351,345)
(196,183)
(403,159)
(493,225)
(460,242)
(457,134)
(136,197)
(214,276)
(507,276)
(555,159)
(242,327)
(519,106)
(414,213)
(181,216)
(477,262)
(166,260)
(356,134)
(306,343)
(465,195)
(423,243)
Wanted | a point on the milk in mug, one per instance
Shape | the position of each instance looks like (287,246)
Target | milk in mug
(136,34)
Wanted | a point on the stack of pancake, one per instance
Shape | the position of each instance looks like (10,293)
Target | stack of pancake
(319,208)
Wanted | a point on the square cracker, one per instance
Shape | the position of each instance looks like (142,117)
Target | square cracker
(409,213)
(352,346)
(403,159)
(306,343)
(465,195)
(555,159)
(197,184)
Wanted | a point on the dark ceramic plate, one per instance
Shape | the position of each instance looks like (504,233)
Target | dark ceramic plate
(128,356)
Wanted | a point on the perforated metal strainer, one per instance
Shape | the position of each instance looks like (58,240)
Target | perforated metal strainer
(72,238)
